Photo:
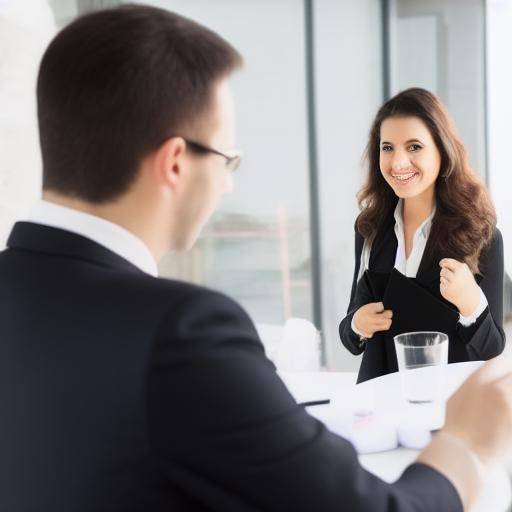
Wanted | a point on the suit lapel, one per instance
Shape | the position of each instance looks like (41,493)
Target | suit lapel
(384,247)
(429,271)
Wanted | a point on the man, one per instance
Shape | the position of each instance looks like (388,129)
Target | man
(122,391)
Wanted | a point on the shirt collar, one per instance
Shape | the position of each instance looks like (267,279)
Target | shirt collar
(106,233)
(425,226)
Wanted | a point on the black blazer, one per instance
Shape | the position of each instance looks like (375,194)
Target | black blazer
(481,341)
(124,392)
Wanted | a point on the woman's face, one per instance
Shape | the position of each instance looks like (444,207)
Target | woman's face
(409,158)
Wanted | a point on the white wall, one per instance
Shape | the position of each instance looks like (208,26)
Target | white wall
(460,61)
(500,115)
(25,30)
(270,98)
(349,92)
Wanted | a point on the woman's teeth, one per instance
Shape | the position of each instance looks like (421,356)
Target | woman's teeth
(404,177)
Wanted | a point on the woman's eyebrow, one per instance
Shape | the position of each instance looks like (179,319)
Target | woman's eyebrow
(406,142)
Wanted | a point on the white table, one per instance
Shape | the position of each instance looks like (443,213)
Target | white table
(383,395)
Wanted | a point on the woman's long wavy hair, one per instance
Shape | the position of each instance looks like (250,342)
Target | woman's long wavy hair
(465,217)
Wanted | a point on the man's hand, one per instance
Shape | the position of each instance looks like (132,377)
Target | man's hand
(480,412)
(477,431)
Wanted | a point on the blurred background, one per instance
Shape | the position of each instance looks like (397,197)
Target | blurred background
(316,72)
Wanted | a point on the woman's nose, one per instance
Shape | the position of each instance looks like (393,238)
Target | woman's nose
(400,161)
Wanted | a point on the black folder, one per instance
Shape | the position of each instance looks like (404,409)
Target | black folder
(414,307)
(376,283)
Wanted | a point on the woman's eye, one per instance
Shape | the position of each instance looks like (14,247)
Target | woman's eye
(414,147)
(386,148)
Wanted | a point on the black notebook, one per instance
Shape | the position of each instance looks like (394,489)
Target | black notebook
(414,308)
(377,283)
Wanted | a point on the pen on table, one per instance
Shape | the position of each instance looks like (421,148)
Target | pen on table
(315,402)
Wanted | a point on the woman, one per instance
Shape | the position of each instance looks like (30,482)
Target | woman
(425,213)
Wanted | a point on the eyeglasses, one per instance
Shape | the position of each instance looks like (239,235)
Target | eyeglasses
(233,159)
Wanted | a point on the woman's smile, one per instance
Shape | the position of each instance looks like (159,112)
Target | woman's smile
(403,179)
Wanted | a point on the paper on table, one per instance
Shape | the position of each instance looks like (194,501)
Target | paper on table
(353,416)
(412,423)
(370,433)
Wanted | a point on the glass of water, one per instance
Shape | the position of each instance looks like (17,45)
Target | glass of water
(422,358)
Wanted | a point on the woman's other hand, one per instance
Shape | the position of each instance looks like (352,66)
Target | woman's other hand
(371,318)
(458,286)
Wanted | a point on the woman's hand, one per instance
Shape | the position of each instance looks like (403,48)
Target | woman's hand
(458,286)
(371,318)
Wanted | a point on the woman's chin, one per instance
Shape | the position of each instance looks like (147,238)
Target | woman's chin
(407,190)
(406,194)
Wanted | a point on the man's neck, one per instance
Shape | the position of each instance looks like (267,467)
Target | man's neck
(113,212)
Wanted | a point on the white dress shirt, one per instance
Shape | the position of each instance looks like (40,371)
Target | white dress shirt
(409,266)
(109,235)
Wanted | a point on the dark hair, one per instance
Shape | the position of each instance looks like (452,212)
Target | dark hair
(113,85)
(465,218)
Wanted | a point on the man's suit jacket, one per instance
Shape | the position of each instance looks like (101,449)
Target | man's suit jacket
(124,392)
(481,341)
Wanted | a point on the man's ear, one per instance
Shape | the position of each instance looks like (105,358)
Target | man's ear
(169,161)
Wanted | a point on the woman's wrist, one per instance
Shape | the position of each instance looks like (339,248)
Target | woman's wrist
(470,303)
(356,329)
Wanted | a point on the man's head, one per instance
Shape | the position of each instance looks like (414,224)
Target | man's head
(130,100)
